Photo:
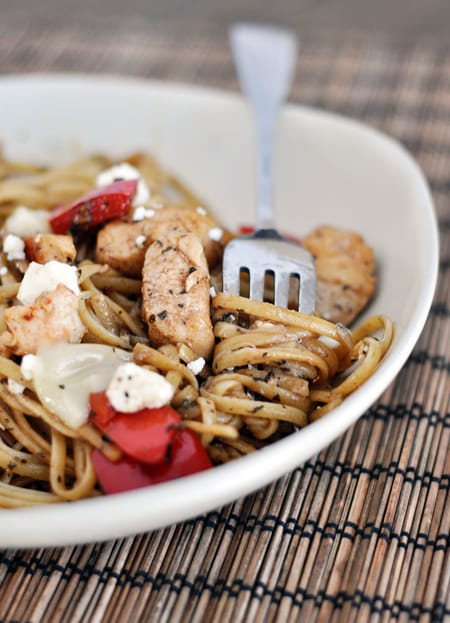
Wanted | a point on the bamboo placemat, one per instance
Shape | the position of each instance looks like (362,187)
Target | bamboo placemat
(358,533)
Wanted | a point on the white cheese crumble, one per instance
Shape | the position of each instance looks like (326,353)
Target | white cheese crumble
(215,233)
(133,388)
(15,387)
(26,222)
(201,210)
(141,212)
(125,171)
(14,247)
(3,271)
(41,278)
(140,240)
(27,366)
(197,365)
(212,292)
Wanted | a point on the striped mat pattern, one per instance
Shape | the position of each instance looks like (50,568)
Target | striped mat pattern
(361,531)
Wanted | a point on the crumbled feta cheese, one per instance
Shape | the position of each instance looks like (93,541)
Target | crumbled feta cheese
(14,247)
(133,388)
(201,210)
(26,222)
(27,366)
(125,171)
(140,240)
(45,278)
(3,271)
(197,365)
(212,292)
(215,233)
(141,212)
(15,387)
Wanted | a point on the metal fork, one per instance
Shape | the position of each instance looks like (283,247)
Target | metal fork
(265,58)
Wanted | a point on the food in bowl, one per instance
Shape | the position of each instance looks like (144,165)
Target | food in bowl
(123,364)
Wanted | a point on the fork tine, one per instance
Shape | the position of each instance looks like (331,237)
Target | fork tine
(281,290)
(257,285)
(231,279)
(307,290)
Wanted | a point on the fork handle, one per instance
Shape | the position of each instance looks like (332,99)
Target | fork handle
(265,58)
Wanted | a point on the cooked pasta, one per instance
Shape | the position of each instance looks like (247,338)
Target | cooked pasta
(271,372)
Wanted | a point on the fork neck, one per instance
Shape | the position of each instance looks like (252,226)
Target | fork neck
(265,116)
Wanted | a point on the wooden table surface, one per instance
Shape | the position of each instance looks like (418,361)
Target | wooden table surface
(361,531)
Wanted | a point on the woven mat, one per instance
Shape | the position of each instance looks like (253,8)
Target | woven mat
(358,533)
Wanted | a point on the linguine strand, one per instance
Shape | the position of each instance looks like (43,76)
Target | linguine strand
(273,370)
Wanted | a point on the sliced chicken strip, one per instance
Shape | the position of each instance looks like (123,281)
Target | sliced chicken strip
(175,293)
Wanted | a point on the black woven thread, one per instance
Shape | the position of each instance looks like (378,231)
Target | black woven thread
(440,309)
(422,357)
(233,522)
(258,591)
(409,474)
(416,412)
(331,530)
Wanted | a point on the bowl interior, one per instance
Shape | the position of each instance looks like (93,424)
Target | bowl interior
(330,170)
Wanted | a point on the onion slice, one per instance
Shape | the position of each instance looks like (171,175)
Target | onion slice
(65,374)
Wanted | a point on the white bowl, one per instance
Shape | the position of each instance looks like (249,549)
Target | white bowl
(330,170)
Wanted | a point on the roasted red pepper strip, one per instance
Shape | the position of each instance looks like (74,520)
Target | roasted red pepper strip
(98,206)
(145,435)
(187,456)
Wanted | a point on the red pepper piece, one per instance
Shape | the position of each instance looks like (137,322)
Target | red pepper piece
(123,475)
(98,206)
(246,230)
(187,456)
(144,435)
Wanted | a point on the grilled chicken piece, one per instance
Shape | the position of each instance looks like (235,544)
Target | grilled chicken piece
(345,272)
(53,317)
(175,293)
(122,245)
(45,247)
